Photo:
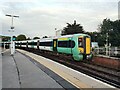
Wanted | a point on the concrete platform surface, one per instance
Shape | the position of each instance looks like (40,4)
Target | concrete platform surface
(78,79)
(0,71)
(19,72)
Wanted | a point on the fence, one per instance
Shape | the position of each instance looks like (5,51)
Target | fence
(109,51)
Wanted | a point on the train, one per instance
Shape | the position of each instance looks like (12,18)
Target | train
(76,45)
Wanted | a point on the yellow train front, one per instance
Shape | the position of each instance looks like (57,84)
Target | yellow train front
(84,46)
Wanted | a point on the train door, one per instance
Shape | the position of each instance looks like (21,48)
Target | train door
(55,45)
(38,43)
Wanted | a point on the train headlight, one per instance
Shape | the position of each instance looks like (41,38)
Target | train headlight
(88,56)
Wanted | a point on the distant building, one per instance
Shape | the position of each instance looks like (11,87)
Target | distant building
(58,32)
(119,10)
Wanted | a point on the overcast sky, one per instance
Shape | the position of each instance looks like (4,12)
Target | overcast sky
(41,17)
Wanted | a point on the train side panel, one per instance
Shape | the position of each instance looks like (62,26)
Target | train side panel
(64,45)
(76,53)
(46,44)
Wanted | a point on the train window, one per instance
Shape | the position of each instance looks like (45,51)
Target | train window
(80,42)
(62,43)
(18,43)
(32,43)
(45,43)
(67,44)
(72,44)
(23,43)
(29,43)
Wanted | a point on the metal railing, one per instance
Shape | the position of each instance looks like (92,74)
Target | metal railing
(109,51)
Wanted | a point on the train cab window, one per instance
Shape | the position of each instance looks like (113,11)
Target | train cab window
(80,42)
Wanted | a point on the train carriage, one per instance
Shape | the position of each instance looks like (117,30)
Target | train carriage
(46,44)
(30,44)
(23,44)
(76,45)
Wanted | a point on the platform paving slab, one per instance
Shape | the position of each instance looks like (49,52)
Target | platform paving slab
(9,72)
(0,71)
(19,71)
(31,76)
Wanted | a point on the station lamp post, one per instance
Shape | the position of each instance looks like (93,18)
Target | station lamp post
(108,44)
(12,46)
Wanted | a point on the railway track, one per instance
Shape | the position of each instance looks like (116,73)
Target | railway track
(108,75)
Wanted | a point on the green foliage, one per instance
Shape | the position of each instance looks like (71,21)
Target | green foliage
(93,36)
(113,30)
(21,37)
(72,29)
(5,38)
(28,38)
(36,38)
(45,37)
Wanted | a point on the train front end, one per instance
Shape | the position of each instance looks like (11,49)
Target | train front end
(84,46)
(82,50)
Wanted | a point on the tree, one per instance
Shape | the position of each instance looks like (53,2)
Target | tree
(104,28)
(5,38)
(28,38)
(72,29)
(36,38)
(115,33)
(113,30)
(93,35)
(21,37)
(45,37)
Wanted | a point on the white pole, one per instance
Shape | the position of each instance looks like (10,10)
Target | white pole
(107,44)
(12,46)
(4,46)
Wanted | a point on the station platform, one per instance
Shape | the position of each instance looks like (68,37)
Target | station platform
(20,71)
(28,70)
(78,79)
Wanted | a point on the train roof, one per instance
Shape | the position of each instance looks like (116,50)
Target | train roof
(80,34)
(54,37)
